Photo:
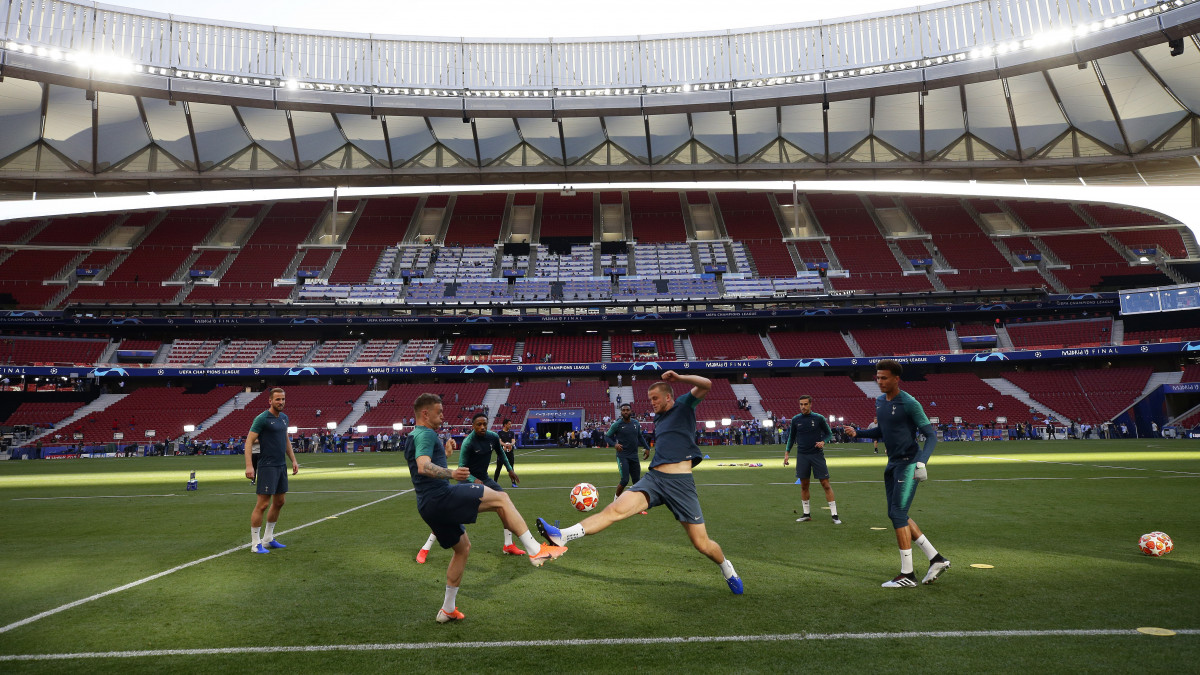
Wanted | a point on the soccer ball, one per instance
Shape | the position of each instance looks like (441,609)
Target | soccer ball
(1156,544)
(585,497)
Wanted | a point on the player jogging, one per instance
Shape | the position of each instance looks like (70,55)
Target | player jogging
(446,508)
(626,435)
(509,459)
(270,430)
(476,455)
(900,419)
(810,432)
(669,480)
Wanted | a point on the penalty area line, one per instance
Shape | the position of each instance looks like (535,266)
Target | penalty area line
(152,577)
(584,642)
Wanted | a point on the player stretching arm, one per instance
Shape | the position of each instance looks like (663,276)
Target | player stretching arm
(900,419)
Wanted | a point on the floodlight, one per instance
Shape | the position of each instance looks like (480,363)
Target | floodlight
(725,421)
(189,428)
(396,426)
(292,430)
(331,425)
(710,425)
(767,424)
(362,428)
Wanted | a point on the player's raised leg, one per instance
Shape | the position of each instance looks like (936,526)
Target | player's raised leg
(454,574)
(501,504)
(629,503)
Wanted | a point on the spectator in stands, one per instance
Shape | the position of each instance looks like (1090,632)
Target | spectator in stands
(562,397)
(991,406)
(568,382)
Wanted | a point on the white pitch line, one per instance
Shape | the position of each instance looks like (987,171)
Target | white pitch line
(596,642)
(1097,466)
(206,494)
(152,577)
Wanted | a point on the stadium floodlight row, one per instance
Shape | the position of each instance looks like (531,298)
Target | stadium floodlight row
(1032,89)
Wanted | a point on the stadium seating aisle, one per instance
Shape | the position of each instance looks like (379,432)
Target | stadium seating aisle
(163,410)
(304,401)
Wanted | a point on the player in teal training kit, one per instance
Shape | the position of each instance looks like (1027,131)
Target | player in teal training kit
(900,419)
(475,453)
(270,430)
(669,480)
(810,432)
(446,508)
(626,435)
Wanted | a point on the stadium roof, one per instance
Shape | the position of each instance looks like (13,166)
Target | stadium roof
(100,98)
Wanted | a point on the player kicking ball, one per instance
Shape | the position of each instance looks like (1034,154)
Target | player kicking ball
(476,455)
(900,419)
(669,480)
(446,508)
(810,432)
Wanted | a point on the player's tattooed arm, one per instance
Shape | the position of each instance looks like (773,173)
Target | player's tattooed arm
(426,467)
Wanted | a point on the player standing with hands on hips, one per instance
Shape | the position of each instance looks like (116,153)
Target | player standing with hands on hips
(669,480)
(810,432)
(900,419)
(270,430)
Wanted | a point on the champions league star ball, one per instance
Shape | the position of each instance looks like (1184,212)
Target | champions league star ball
(585,496)
(1155,543)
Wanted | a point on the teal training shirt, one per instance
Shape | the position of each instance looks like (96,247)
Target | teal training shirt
(805,431)
(899,421)
(475,453)
(424,441)
(272,438)
(629,435)
(675,433)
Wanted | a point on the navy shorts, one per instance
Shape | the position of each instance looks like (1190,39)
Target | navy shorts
(813,464)
(447,513)
(900,486)
(676,490)
(271,480)
(630,468)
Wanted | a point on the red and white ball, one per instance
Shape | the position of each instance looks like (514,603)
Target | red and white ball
(585,496)
(1156,544)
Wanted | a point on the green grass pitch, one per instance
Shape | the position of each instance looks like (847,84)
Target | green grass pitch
(1059,521)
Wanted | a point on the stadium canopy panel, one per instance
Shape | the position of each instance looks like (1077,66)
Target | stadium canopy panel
(103,98)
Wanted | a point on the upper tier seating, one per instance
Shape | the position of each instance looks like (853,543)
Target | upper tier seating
(416,352)
(728,346)
(656,217)
(623,349)
(1059,334)
(191,352)
(290,352)
(33,351)
(378,353)
(476,220)
(501,350)
(564,349)
(817,344)
(243,352)
(566,215)
(1179,334)
(1046,215)
(720,402)
(74,230)
(333,352)
(901,341)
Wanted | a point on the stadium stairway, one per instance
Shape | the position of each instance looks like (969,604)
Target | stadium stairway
(769,346)
(626,393)
(853,344)
(686,343)
(360,409)
(1118,332)
(869,388)
(102,401)
(952,340)
(748,392)
(1157,379)
(1009,389)
(236,403)
(1003,339)
(109,355)
(494,399)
